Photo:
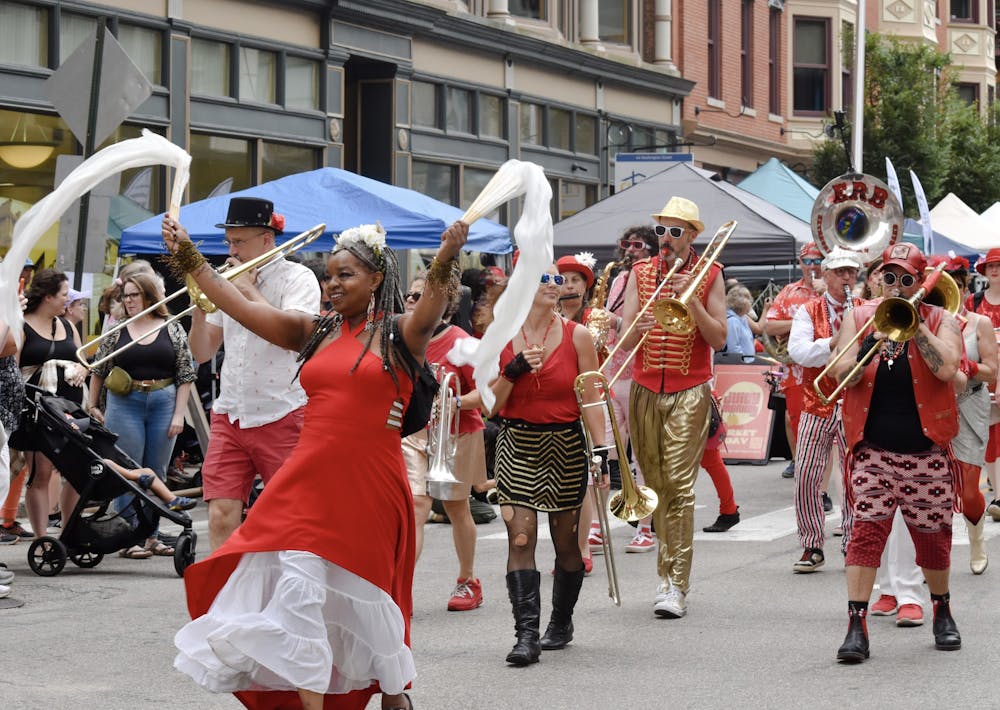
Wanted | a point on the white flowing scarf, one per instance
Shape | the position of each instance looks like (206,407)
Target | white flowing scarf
(148,149)
(533,237)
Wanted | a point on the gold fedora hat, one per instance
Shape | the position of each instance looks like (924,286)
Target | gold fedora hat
(682,208)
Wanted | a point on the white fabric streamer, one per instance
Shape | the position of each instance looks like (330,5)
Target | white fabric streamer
(533,236)
(149,149)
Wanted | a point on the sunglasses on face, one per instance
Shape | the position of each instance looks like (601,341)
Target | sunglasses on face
(906,280)
(812,262)
(557,279)
(675,232)
(632,244)
(412,295)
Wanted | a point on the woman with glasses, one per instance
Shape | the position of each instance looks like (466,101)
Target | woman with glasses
(148,394)
(541,463)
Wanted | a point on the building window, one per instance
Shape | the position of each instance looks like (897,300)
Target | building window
(574,197)
(491,116)
(473,182)
(301,83)
(73,30)
(535,9)
(258,70)
(226,165)
(969,93)
(210,70)
(811,66)
(715,48)
(145,47)
(435,180)
(281,159)
(585,137)
(746,54)
(531,124)
(774,62)
(846,65)
(24,33)
(458,114)
(424,97)
(643,137)
(559,129)
(965,10)
(614,21)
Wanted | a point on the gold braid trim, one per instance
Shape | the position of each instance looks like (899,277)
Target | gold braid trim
(444,275)
(187,259)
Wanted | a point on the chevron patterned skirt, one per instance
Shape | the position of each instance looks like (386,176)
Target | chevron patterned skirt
(541,466)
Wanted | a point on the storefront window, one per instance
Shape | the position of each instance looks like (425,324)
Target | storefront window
(145,47)
(301,83)
(24,35)
(490,116)
(435,180)
(209,68)
(281,159)
(225,165)
(73,30)
(473,182)
(257,75)
(574,197)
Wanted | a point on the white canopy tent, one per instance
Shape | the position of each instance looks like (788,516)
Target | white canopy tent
(962,224)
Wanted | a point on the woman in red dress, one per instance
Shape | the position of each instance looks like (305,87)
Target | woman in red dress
(987,304)
(296,610)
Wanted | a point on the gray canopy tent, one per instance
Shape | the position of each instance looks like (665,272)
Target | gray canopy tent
(765,235)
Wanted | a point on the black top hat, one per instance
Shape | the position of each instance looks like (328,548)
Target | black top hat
(252,212)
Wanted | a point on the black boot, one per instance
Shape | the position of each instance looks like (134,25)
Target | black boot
(522,585)
(724,522)
(565,591)
(855,646)
(946,636)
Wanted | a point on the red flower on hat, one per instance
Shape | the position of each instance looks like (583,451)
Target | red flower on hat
(277,221)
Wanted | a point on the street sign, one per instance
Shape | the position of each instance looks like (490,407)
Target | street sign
(632,168)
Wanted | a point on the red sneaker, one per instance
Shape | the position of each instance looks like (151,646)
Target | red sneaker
(596,541)
(910,615)
(467,595)
(885,606)
(588,566)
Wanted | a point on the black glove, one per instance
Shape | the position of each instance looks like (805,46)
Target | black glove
(516,367)
(603,456)
(869,342)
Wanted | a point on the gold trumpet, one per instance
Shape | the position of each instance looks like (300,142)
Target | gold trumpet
(899,320)
(674,314)
(198,298)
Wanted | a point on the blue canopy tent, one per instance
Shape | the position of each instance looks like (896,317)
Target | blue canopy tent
(338,198)
(782,187)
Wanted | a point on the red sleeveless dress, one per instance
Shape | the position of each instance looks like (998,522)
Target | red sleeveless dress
(344,479)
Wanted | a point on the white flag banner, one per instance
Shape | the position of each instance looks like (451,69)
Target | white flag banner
(925,214)
(893,181)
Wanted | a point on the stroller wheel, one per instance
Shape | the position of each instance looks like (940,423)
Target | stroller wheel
(184,552)
(86,559)
(47,556)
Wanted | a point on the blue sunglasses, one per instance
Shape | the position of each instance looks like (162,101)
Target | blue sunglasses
(557,279)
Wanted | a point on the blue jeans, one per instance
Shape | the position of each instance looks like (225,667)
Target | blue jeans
(141,421)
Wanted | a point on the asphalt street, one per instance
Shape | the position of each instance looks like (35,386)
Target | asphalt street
(756,635)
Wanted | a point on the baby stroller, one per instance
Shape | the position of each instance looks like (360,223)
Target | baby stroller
(77,445)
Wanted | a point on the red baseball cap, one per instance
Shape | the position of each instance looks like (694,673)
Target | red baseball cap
(810,249)
(572,262)
(992,257)
(906,255)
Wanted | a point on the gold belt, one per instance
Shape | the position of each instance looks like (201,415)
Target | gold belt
(151,385)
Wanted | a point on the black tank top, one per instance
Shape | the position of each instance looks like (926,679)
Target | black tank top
(39,349)
(155,361)
(893,420)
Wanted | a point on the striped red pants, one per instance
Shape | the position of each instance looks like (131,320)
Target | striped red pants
(817,437)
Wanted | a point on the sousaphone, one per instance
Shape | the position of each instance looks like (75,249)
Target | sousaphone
(856,212)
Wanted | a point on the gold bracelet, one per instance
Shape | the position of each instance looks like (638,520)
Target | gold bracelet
(444,275)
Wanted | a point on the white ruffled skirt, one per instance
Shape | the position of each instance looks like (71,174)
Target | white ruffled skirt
(288,620)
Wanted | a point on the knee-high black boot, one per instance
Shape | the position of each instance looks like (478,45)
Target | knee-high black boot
(522,586)
(565,591)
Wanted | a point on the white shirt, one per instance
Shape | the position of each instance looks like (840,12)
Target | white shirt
(258,385)
(802,348)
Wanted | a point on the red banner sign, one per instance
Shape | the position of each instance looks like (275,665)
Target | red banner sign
(744,392)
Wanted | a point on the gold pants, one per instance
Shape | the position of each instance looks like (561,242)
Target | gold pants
(668,435)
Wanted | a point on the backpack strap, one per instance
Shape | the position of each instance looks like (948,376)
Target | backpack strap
(977,300)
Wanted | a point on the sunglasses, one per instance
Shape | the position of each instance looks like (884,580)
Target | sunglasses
(906,280)
(675,232)
(412,295)
(557,279)
(812,262)
(632,244)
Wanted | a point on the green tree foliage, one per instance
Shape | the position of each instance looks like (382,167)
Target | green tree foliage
(913,115)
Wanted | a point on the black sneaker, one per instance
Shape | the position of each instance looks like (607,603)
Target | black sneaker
(15,528)
(812,559)
(827,504)
(789,471)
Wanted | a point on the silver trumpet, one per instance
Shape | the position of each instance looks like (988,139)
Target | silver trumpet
(442,440)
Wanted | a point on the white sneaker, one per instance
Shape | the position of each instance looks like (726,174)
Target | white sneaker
(4,590)
(670,602)
(6,576)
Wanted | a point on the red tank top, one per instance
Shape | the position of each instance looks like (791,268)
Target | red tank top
(546,396)
(469,420)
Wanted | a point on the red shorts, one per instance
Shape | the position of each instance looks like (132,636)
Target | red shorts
(236,456)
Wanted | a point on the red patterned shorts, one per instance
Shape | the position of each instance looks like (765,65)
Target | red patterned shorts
(919,484)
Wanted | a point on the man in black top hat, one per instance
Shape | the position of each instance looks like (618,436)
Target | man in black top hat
(257,416)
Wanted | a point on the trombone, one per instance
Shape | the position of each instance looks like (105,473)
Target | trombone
(899,319)
(199,299)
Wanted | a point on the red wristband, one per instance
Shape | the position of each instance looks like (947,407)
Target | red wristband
(973,369)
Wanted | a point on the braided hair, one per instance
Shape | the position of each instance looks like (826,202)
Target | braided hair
(388,302)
